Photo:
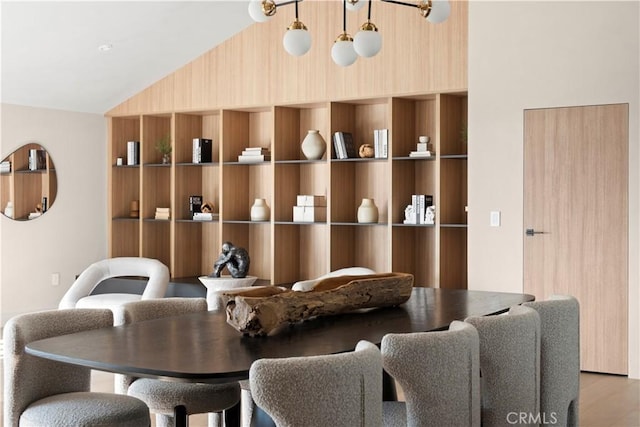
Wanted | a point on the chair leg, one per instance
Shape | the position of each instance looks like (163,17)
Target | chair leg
(163,420)
(215,419)
(573,414)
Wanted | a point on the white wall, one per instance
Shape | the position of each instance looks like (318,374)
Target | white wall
(526,55)
(73,233)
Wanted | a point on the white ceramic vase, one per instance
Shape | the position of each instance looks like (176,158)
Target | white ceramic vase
(313,145)
(260,210)
(367,211)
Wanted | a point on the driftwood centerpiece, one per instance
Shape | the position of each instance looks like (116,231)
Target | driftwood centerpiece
(260,311)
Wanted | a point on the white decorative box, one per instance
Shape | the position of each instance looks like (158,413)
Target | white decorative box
(309,200)
(309,213)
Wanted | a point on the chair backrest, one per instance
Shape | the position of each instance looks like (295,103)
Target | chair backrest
(559,358)
(439,373)
(156,287)
(315,391)
(138,311)
(29,378)
(509,367)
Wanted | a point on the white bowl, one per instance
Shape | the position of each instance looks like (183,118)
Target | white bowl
(226,282)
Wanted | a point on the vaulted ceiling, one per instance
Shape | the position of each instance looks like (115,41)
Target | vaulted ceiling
(50,54)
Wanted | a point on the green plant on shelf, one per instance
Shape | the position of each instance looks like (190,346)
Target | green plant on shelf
(164,147)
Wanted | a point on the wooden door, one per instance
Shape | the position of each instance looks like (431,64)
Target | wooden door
(575,201)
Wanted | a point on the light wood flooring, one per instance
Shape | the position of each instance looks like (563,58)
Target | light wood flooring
(605,400)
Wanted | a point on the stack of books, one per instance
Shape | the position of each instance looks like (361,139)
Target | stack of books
(255,155)
(5,167)
(202,150)
(416,211)
(37,159)
(163,213)
(205,216)
(422,150)
(133,153)
(380,143)
(343,146)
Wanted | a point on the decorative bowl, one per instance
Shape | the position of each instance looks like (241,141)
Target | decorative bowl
(226,282)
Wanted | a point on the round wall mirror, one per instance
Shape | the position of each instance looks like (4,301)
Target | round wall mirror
(28,183)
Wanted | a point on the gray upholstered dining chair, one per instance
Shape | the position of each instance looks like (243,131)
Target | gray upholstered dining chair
(439,373)
(509,366)
(78,295)
(340,390)
(163,396)
(40,392)
(559,358)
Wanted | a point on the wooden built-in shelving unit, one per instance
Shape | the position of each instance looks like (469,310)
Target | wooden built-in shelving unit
(283,251)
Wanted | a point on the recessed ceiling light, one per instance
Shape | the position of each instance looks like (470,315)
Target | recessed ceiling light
(105,47)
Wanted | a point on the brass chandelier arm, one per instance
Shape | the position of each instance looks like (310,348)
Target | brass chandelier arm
(423,5)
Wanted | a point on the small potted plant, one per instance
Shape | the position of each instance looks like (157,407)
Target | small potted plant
(164,147)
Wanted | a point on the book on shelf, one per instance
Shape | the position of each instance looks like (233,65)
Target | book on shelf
(202,150)
(133,153)
(5,167)
(255,151)
(350,146)
(421,154)
(419,203)
(380,143)
(37,159)
(338,147)
(344,145)
(163,213)
(254,158)
(195,204)
(205,216)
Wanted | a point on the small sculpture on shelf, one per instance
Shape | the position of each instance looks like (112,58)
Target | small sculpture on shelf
(366,151)
(234,258)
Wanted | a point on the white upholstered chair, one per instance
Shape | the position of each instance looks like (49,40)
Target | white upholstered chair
(78,295)
(163,396)
(40,392)
(559,358)
(509,366)
(338,390)
(439,373)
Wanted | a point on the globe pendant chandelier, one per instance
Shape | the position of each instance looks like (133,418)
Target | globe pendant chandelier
(346,49)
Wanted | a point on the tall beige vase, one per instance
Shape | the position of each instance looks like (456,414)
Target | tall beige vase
(367,211)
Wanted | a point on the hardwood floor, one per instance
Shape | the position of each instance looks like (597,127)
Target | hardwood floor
(609,400)
(605,400)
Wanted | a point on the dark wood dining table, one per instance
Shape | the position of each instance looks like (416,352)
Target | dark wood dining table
(203,348)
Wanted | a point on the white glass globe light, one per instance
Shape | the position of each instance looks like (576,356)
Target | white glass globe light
(343,53)
(367,43)
(440,11)
(297,42)
(256,13)
(355,6)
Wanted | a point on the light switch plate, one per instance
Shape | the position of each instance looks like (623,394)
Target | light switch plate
(495,219)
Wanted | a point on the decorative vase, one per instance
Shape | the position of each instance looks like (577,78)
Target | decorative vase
(313,145)
(260,210)
(367,211)
(166,159)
